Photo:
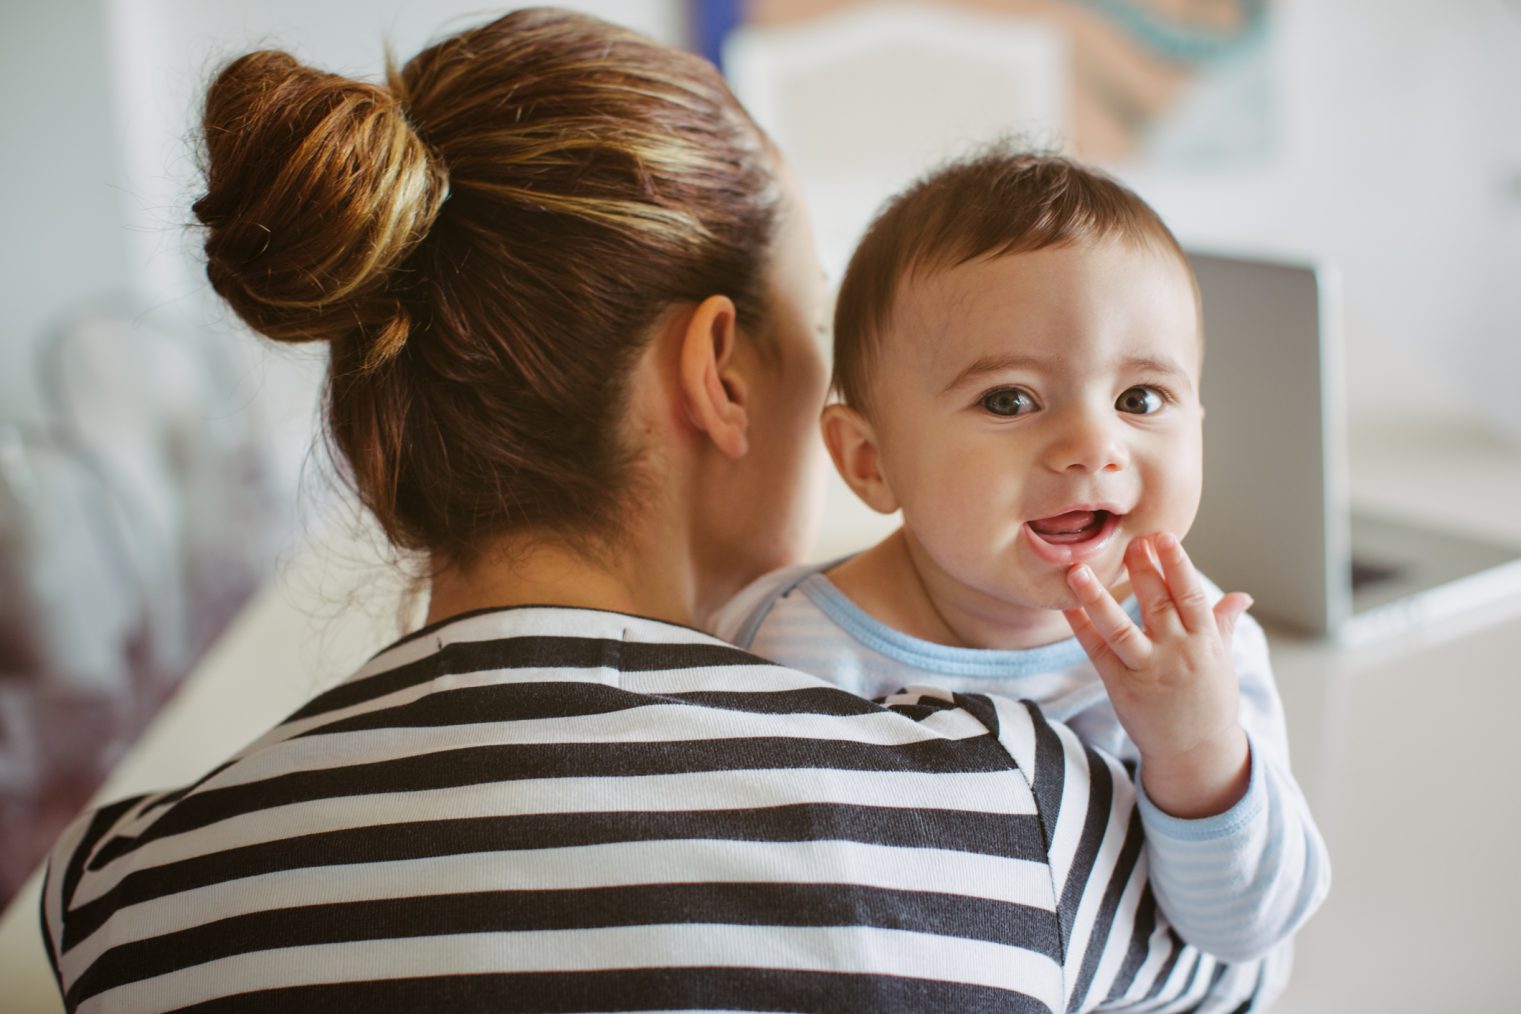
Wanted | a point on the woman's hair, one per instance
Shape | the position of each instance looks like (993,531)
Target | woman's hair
(1001,201)
(485,242)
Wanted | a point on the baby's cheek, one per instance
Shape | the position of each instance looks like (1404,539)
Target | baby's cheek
(972,528)
(962,499)
(1175,504)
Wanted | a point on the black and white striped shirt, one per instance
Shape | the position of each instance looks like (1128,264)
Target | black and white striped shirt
(556,809)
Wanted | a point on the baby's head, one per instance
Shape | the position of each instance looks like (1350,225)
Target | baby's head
(1017,353)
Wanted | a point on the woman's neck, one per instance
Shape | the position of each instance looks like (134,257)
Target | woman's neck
(517,571)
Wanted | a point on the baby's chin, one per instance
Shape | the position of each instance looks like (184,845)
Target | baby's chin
(1054,593)
(1051,596)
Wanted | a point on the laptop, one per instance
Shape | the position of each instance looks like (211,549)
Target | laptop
(1276,520)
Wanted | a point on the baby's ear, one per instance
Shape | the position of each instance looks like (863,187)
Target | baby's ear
(852,445)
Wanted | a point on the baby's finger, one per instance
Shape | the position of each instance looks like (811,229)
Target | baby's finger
(1187,590)
(1227,611)
(1122,636)
(1151,591)
(1088,636)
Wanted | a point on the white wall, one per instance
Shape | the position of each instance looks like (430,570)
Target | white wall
(1401,130)
(60,180)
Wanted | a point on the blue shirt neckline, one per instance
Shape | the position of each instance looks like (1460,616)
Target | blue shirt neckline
(942,658)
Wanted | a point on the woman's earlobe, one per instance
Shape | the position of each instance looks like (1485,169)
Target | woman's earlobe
(853,448)
(712,392)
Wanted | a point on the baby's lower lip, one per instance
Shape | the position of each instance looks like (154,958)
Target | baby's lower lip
(1074,547)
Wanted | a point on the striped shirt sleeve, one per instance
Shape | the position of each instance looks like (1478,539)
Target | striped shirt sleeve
(61,879)
(1118,951)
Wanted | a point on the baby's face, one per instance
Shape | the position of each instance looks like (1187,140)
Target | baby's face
(1038,410)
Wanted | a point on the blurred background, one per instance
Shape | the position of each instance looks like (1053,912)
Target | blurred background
(156,462)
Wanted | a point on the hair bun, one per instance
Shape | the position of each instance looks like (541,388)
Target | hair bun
(317,187)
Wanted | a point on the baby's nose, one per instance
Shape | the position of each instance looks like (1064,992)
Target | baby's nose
(1087,444)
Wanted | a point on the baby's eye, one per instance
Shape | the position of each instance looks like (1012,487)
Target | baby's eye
(1008,401)
(1141,400)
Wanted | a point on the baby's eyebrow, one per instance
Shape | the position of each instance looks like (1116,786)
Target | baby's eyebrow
(1008,361)
(1159,364)
(997,364)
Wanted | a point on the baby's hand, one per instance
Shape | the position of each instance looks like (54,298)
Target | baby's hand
(1173,685)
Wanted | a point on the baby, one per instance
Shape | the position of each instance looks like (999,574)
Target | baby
(1017,354)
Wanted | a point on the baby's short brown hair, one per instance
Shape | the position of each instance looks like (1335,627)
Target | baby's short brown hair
(1001,201)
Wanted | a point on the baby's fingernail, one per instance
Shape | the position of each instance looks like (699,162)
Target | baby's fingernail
(1166,541)
(1082,575)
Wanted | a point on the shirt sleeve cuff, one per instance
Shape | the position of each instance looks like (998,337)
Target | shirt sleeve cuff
(1246,811)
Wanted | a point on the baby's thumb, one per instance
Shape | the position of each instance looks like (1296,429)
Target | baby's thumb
(1228,610)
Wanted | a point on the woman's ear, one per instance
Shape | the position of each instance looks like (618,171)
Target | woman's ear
(852,445)
(712,390)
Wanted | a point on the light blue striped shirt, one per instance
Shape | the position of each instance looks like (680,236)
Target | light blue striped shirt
(1236,885)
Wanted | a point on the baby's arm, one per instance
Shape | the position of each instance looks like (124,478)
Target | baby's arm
(1237,878)
(1239,883)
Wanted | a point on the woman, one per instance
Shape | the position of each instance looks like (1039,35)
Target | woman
(570,297)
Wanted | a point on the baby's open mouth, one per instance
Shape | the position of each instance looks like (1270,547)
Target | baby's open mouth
(1072,527)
